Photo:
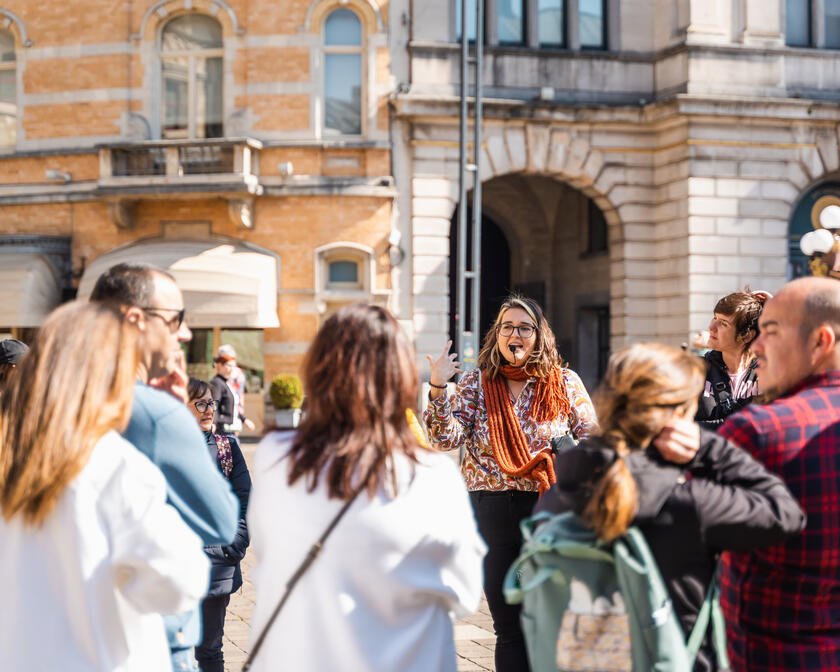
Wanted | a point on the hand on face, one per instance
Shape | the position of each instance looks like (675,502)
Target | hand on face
(175,382)
(516,347)
(679,440)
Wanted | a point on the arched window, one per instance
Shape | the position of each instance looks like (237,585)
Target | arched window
(343,62)
(191,68)
(8,89)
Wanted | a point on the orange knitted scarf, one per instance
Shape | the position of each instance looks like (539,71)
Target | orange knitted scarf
(507,439)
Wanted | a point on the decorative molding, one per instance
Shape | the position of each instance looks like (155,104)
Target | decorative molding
(12,18)
(317,5)
(163,8)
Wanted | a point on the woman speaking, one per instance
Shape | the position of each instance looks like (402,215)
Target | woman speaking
(505,414)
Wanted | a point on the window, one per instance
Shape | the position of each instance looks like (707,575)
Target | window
(191,67)
(550,22)
(342,73)
(344,275)
(592,26)
(470,20)
(798,23)
(832,24)
(8,89)
(510,21)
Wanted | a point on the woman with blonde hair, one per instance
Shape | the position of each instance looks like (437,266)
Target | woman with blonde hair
(404,558)
(721,500)
(504,414)
(93,553)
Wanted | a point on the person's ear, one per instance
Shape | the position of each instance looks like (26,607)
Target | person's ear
(826,340)
(136,316)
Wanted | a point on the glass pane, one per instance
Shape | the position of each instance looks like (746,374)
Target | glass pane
(550,22)
(192,31)
(511,24)
(343,94)
(798,23)
(8,108)
(344,271)
(208,72)
(470,20)
(592,23)
(343,28)
(175,102)
(832,24)
(7,47)
(248,344)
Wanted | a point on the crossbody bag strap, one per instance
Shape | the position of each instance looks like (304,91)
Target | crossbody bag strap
(300,571)
(710,611)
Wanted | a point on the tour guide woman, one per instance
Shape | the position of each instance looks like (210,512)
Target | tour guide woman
(505,414)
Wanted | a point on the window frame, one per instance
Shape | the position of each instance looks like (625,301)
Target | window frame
(361,51)
(605,37)
(12,66)
(192,82)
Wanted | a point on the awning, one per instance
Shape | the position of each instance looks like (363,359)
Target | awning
(29,289)
(225,283)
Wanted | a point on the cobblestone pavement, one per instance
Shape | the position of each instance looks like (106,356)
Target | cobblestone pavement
(474,639)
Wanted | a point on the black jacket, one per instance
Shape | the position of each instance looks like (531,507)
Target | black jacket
(225,573)
(712,411)
(226,410)
(722,500)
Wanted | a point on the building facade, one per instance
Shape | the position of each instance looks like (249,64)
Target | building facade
(243,145)
(640,159)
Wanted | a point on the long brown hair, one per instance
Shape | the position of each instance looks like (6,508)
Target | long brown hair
(643,385)
(360,377)
(544,358)
(73,386)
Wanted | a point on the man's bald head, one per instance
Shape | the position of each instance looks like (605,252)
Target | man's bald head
(818,303)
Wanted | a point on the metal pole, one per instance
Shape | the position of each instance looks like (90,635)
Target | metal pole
(476,211)
(461,267)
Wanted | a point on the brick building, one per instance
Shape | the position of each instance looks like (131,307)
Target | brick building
(242,144)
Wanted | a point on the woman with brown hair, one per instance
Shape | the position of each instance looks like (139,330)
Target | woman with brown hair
(93,552)
(731,378)
(504,414)
(404,558)
(721,500)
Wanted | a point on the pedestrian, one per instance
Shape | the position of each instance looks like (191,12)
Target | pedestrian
(722,499)
(229,414)
(731,379)
(91,551)
(11,352)
(225,573)
(162,428)
(504,415)
(782,603)
(406,556)
(237,383)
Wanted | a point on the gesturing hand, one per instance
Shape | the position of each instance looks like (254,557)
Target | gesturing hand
(679,440)
(444,367)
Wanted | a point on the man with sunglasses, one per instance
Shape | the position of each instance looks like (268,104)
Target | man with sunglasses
(162,428)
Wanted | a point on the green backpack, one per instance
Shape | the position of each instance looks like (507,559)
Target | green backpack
(595,607)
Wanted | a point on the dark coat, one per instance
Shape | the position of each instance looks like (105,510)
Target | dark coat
(710,411)
(225,573)
(722,500)
(226,410)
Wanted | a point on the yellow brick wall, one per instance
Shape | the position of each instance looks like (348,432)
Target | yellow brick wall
(278,113)
(62,120)
(29,170)
(48,75)
(272,64)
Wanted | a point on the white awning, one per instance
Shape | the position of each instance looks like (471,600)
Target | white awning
(225,284)
(29,289)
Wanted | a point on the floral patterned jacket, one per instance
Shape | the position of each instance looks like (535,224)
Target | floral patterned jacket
(460,419)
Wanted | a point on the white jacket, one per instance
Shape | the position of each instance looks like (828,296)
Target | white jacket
(382,595)
(85,591)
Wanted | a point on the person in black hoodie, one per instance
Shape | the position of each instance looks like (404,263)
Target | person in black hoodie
(721,500)
(225,573)
(731,379)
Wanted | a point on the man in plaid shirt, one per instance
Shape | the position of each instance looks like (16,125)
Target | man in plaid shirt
(782,604)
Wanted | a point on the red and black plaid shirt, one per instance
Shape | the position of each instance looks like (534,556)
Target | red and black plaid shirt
(782,604)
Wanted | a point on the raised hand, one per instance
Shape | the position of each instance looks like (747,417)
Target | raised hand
(444,367)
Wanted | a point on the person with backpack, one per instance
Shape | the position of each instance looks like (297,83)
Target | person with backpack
(731,378)
(687,514)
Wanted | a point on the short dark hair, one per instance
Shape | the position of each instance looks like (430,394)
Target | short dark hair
(127,284)
(197,388)
(821,306)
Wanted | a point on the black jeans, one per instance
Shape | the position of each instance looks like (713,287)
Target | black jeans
(209,652)
(498,515)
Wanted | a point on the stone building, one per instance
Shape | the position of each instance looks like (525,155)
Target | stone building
(242,144)
(640,158)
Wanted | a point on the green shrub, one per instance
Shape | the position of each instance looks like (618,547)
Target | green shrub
(286,391)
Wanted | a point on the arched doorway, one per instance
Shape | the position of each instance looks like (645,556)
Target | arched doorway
(549,241)
(805,218)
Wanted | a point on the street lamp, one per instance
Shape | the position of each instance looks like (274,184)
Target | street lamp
(823,245)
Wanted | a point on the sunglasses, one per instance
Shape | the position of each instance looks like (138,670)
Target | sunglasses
(174,323)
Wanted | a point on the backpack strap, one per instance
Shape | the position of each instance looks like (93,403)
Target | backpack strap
(710,611)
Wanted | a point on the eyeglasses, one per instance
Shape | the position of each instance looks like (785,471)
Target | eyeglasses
(524,330)
(174,323)
(204,406)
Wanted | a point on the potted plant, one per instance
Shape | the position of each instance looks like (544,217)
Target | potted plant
(286,394)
